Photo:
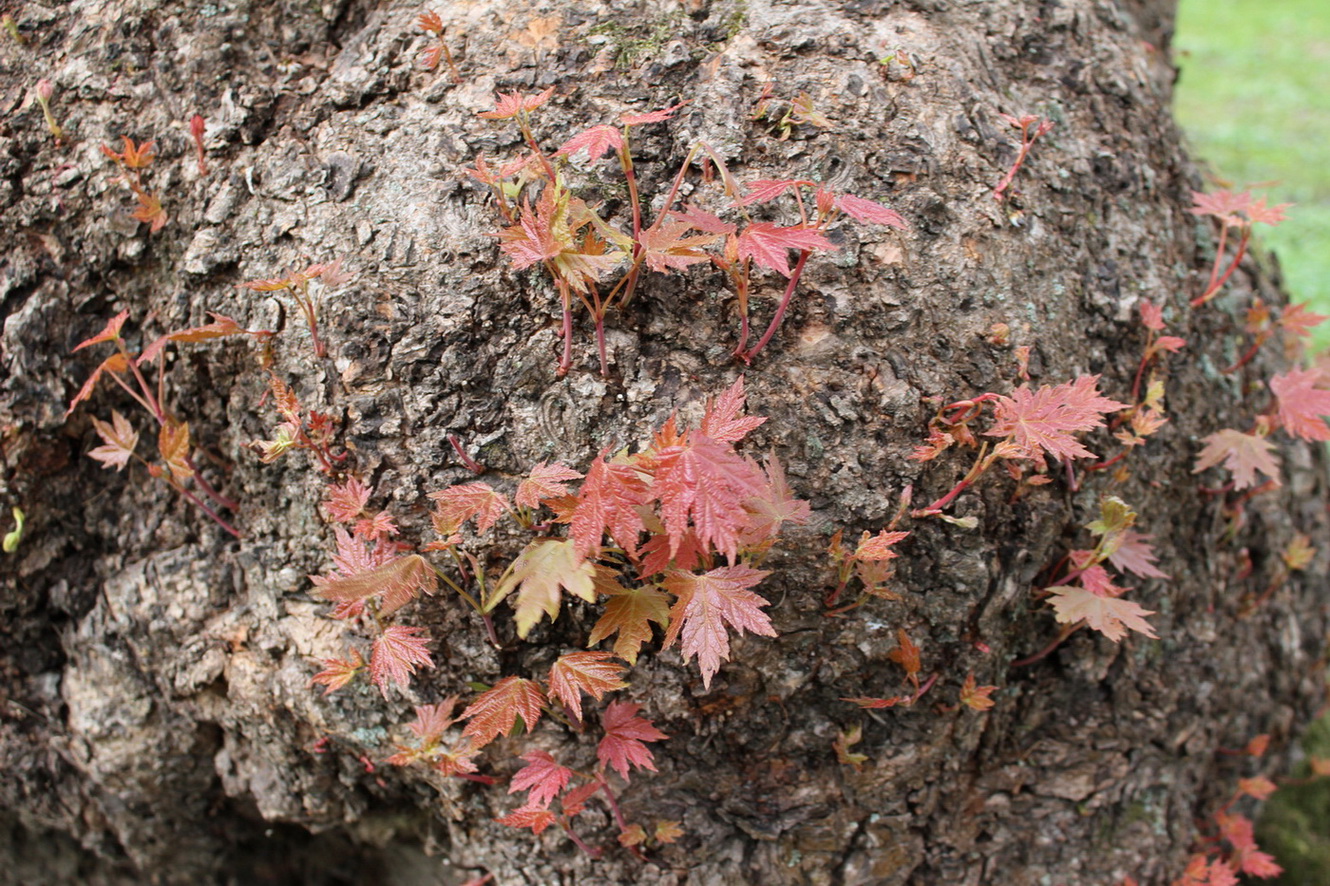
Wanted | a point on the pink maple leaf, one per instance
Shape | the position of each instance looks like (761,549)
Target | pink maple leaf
(1111,616)
(706,604)
(118,441)
(596,142)
(725,421)
(544,481)
(706,482)
(1135,554)
(1301,404)
(595,673)
(398,651)
(625,733)
(543,777)
(768,244)
(1044,420)
(1241,454)
(869,211)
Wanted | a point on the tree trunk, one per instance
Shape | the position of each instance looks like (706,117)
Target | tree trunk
(159,723)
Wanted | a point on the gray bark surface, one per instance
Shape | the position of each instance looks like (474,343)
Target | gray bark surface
(158,723)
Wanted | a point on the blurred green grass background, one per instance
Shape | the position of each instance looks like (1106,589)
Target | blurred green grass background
(1254,100)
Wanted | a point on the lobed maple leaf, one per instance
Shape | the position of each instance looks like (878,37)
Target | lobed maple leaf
(1111,616)
(702,482)
(650,116)
(609,499)
(771,508)
(432,720)
(623,746)
(1259,787)
(396,582)
(869,211)
(1302,406)
(1202,871)
(1299,322)
(594,673)
(596,142)
(630,612)
(150,212)
(976,697)
(766,190)
(540,570)
(532,817)
(173,445)
(543,777)
(1042,421)
(706,604)
(220,327)
(346,500)
(118,441)
(457,504)
(496,711)
(338,672)
(110,332)
(667,246)
(879,547)
(511,104)
(544,481)
(906,654)
(768,244)
(397,652)
(700,219)
(1241,454)
(1136,555)
(724,420)
(133,156)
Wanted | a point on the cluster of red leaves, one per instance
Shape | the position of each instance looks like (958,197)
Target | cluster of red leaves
(1217,867)
(579,248)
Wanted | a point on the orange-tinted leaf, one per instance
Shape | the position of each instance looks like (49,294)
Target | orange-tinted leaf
(668,831)
(1111,616)
(173,445)
(622,747)
(878,703)
(511,104)
(906,654)
(706,604)
(338,672)
(846,740)
(976,697)
(545,481)
(397,582)
(496,711)
(594,673)
(150,212)
(1242,454)
(630,612)
(635,835)
(529,817)
(1259,787)
(879,547)
(110,333)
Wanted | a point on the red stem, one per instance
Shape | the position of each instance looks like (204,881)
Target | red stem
(780,308)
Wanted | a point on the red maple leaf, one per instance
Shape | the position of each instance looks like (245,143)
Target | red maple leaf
(544,481)
(496,711)
(705,482)
(622,747)
(702,220)
(543,777)
(1242,454)
(1299,322)
(346,500)
(596,142)
(724,420)
(594,673)
(338,672)
(706,604)
(397,652)
(532,240)
(111,332)
(457,504)
(1301,404)
(769,244)
(608,500)
(869,211)
(1044,420)
(906,654)
(511,104)
(666,245)
(650,116)
(529,817)
(766,190)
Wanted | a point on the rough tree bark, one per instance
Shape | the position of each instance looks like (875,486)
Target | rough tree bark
(158,723)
